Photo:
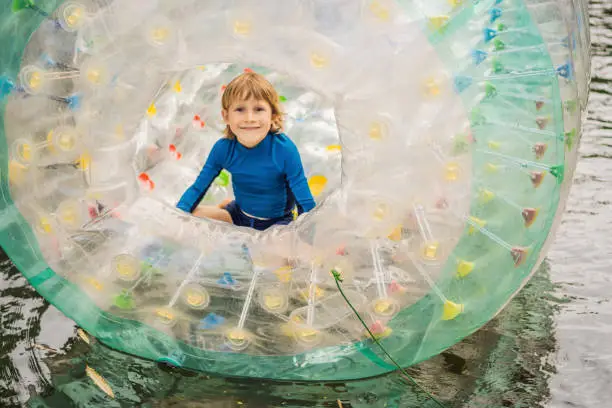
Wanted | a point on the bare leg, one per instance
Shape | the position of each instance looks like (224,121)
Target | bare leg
(214,212)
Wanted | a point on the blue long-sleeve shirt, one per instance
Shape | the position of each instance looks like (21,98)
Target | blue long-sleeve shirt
(268,179)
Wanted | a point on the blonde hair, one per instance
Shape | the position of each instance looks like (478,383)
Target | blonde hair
(247,85)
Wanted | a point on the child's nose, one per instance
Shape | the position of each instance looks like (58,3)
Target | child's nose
(250,115)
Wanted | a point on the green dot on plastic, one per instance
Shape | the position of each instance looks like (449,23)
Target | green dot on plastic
(223,179)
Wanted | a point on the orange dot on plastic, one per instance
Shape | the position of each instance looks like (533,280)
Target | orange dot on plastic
(540,150)
(536,178)
(529,216)
(519,255)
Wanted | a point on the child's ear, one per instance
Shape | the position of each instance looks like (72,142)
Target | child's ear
(225,115)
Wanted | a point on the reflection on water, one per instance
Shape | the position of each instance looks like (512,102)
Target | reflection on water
(582,255)
(44,364)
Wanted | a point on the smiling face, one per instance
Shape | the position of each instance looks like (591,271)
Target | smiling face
(249,120)
(250,108)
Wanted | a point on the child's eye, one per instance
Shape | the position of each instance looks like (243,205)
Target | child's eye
(260,109)
(239,109)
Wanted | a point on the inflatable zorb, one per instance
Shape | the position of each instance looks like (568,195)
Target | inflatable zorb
(438,138)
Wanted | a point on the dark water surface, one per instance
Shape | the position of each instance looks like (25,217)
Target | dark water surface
(550,347)
(581,257)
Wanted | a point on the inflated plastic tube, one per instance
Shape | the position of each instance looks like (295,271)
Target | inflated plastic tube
(439,140)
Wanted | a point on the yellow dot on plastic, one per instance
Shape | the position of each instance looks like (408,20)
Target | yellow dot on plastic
(485,196)
(491,168)
(119,132)
(237,335)
(25,151)
(84,161)
(430,250)
(202,67)
(451,172)
(307,335)
(126,268)
(334,148)
(284,273)
(380,11)
(50,146)
(318,60)
(480,223)
(438,22)
(432,87)
(455,3)
(383,307)
(66,141)
(385,333)
(493,145)
(377,131)
(160,34)
(464,268)
(45,224)
(96,284)
(318,293)
(165,314)
(94,76)
(68,215)
(177,87)
(396,234)
(152,111)
(242,27)
(451,310)
(74,17)
(317,184)
(16,172)
(273,301)
(35,80)
(195,297)
(287,330)
(381,212)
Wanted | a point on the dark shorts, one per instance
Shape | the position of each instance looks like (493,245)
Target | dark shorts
(242,220)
